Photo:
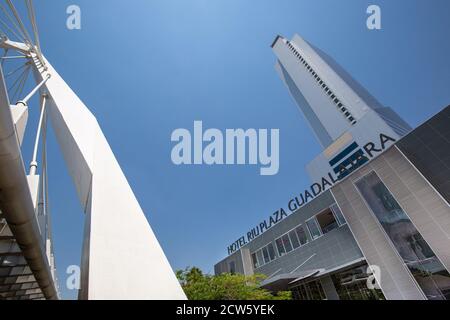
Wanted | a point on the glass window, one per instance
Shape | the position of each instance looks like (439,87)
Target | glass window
(326,221)
(294,239)
(338,214)
(280,247)
(266,255)
(313,228)
(301,234)
(259,254)
(351,284)
(254,260)
(316,290)
(287,243)
(417,255)
(271,251)
(308,291)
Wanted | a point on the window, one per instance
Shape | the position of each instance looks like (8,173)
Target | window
(263,256)
(313,228)
(259,254)
(280,247)
(338,214)
(294,239)
(255,261)
(326,221)
(308,291)
(340,105)
(271,251)
(417,255)
(301,234)
(266,255)
(287,243)
(291,240)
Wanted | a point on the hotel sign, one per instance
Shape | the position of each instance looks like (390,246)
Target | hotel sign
(345,162)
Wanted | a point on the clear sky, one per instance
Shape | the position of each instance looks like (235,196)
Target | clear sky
(147,67)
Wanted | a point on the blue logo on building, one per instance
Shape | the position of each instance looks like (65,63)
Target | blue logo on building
(348,160)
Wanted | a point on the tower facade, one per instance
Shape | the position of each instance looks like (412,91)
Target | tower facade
(350,124)
(329,98)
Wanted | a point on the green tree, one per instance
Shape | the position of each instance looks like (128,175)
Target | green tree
(226,286)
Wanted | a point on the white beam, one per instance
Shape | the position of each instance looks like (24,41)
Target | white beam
(122,258)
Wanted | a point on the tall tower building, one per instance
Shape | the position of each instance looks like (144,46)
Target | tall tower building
(377,209)
(330,99)
(343,115)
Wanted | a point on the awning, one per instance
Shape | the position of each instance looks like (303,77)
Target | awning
(343,266)
(282,281)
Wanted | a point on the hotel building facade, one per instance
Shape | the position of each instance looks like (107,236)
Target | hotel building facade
(376,224)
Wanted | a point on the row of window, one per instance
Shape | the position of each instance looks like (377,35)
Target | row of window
(291,241)
(324,86)
(317,226)
(263,256)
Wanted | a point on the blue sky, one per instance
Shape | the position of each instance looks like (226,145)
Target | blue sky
(145,68)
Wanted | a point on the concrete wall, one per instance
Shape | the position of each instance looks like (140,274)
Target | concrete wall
(224,265)
(331,250)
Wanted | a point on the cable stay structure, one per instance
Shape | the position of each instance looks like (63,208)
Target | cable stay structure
(121,256)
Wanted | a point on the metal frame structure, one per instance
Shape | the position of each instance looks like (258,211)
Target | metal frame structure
(121,257)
